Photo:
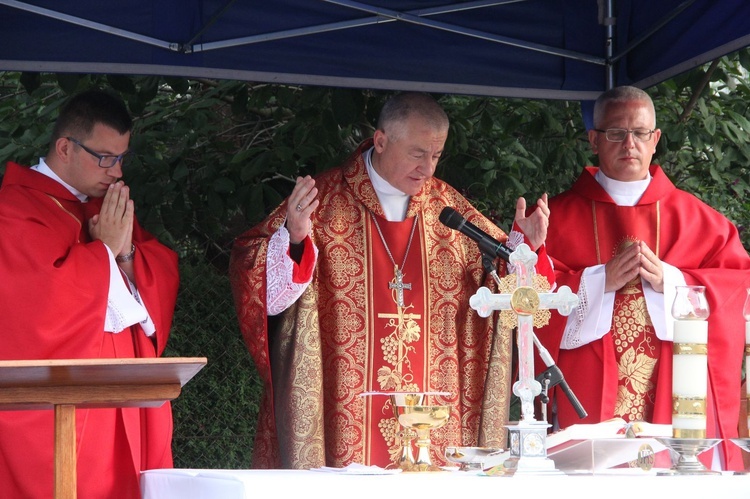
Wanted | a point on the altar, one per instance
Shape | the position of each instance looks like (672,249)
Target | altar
(245,484)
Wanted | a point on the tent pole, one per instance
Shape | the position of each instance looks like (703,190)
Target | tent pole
(609,25)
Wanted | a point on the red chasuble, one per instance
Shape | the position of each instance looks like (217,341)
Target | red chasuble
(683,232)
(52,303)
(345,336)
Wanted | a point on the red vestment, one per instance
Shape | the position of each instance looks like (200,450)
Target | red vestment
(53,303)
(344,336)
(683,232)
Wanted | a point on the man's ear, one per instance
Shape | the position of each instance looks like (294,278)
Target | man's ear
(380,140)
(594,140)
(657,136)
(64,149)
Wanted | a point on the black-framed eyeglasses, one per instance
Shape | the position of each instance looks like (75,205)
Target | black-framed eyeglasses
(619,134)
(105,160)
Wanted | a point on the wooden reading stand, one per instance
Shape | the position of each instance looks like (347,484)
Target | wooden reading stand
(64,385)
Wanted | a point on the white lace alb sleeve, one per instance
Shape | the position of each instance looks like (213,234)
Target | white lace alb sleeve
(515,239)
(124,307)
(592,319)
(659,305)
(281,290)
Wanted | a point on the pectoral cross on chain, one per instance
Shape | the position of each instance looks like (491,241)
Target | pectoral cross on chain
(398,284)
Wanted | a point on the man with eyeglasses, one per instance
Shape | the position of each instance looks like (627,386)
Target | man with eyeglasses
(82,279)
(623,237)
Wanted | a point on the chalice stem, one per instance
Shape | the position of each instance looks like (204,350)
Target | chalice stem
(406,460)
(423,447)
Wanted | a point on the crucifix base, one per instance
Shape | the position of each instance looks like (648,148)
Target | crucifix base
(528,449)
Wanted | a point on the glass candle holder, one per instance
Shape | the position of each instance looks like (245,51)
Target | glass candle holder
(690,362)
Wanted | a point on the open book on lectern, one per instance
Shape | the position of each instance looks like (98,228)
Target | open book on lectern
(606,446)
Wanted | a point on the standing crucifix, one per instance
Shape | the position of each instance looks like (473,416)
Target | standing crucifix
(528,437)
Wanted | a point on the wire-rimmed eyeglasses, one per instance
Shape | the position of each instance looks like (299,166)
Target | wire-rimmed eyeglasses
(619,134)
(105,160)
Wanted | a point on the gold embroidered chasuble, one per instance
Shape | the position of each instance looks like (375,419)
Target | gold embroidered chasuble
(346,335)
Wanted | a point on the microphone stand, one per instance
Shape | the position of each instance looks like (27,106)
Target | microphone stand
(487,263)
(552,376)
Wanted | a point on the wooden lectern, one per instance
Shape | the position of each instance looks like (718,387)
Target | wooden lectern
(64,385)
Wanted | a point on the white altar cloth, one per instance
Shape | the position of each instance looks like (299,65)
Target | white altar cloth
(246,484)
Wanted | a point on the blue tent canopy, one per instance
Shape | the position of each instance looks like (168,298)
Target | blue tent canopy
(559,49)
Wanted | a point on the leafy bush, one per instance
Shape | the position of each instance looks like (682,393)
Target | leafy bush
(212,158)
(215,416)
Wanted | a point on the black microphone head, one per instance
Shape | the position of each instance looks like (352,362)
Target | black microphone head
(450,218)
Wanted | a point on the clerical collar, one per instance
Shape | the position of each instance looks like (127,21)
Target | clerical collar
(623,193)
(44,169)
(393,201)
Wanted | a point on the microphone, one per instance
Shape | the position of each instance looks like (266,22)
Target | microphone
(487,244)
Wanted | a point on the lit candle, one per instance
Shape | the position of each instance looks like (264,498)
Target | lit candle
(690,362)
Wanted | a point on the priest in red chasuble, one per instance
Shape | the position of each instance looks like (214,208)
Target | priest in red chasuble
(353,285)
(82,280)
(624,237)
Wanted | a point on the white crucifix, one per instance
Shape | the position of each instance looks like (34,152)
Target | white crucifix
(527,438)
(524,301)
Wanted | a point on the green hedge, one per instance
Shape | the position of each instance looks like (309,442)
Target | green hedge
(215,416)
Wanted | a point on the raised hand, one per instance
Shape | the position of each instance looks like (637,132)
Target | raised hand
(300,207)
(535,225)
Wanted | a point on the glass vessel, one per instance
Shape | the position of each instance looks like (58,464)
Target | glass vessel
(689,382)
(690,303)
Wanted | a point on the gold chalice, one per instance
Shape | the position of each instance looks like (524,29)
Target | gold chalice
(406,435)
(399,402)
(422,419)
